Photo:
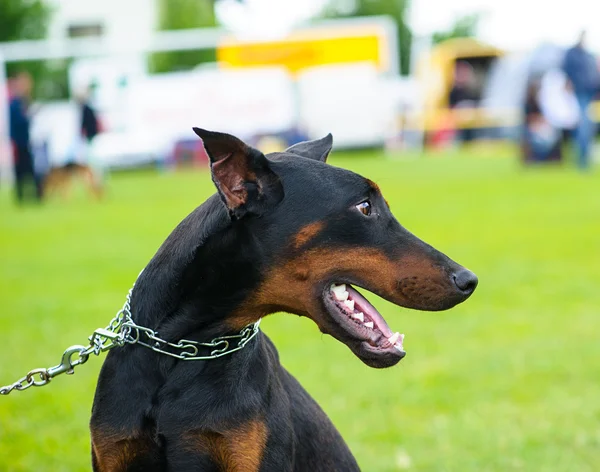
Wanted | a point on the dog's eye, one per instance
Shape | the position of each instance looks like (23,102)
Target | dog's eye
(364,207)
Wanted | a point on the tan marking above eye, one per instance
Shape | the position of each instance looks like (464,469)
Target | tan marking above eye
(374,186)
(307,233)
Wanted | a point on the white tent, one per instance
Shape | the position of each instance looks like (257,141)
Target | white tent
(508,79)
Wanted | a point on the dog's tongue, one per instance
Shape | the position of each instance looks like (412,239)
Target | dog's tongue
(362,304)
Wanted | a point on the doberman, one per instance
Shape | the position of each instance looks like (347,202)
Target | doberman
(284,233)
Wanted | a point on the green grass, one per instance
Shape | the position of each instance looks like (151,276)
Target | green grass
(508,381)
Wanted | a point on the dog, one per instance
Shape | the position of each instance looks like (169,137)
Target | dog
(285,232)
(60,179)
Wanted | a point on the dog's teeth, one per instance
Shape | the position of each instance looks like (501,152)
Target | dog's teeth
(349,304)
(340,292)
(393,338)
(369,324)
(398,344)
(359,316)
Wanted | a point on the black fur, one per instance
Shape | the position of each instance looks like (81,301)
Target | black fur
(206,269)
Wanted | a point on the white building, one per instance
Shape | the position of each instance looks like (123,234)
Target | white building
(121,25)
(115,20)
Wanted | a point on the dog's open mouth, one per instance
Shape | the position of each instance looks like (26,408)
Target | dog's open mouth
(362,322)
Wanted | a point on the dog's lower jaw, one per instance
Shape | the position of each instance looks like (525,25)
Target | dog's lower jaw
(348,316)
(370,355)
(377,358)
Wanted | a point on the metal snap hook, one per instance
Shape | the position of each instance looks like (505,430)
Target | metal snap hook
(66,364)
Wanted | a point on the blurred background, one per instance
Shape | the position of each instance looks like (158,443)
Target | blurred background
(478,119)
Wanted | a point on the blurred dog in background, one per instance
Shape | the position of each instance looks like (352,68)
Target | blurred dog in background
(60,180)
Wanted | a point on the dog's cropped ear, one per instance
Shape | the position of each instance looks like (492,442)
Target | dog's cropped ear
(318,149)
(242,175)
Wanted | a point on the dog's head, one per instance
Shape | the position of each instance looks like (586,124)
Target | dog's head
(318,231)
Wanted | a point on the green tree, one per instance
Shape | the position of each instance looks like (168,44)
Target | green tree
(183,14)
(465,27)
(21,20)
(397,9)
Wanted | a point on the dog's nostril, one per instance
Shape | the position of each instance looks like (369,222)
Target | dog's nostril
(466,280)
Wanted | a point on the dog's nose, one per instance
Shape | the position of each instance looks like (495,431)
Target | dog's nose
(466,281)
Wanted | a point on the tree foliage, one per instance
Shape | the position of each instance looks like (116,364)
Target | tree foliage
(22,20)
(183,14)
(396,9)
(464,27)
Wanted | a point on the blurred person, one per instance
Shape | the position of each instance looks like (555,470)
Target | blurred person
(541,141)
(462,95)
(90,128)
(78,164)
(581,68)
(557,101)
(89,120)
(19,123)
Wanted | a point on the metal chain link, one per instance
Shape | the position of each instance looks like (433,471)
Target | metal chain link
(122,330)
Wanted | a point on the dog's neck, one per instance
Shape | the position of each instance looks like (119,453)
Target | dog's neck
(202,271)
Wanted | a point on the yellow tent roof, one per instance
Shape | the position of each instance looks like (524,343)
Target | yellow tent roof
(464,47)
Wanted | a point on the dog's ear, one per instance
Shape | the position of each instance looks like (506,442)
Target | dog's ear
(242,175)
(318,149)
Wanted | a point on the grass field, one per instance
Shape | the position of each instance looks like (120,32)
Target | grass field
(510,380)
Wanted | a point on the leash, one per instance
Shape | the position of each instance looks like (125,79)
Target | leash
(123,330)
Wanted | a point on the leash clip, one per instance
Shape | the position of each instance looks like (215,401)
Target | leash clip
(67,363)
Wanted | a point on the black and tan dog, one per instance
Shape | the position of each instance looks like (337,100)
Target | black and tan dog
(284,233)
(60,179)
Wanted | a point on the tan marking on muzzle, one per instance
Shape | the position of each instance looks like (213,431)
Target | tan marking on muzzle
(307,233)
(290,286)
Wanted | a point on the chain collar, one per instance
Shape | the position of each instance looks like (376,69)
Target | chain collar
(123,330)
